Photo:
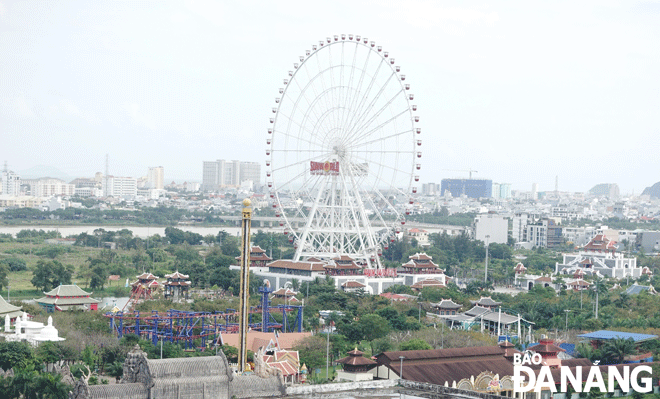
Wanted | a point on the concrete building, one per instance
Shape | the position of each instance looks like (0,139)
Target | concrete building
(501,190)
(120,187)
(496,227)
(650,241)
(472,188)
(155,178)
(11,183)
(48,187)
(519,227)
(220,174)
(545,233)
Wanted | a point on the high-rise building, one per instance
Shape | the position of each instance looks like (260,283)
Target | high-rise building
(11,183)
(120,187)
(155,177)
(221,173)
(473,188)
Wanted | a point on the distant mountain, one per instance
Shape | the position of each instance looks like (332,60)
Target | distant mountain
(605,189)
(43,171)
(653,191)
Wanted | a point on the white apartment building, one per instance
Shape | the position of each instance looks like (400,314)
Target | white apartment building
(519,228)
(120,187)
(155,178)
(496,227)
(49,187)
(221,173)
(11,183)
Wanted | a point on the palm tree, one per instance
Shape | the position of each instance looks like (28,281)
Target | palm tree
(615,350)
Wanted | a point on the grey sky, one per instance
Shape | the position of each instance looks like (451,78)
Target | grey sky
(520,91)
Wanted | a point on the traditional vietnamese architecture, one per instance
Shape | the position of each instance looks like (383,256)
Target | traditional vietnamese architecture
(177,285)
(548,351)
(144,286)
(599,257)
(354,286)
(67,297)
(194,377)
(447,307)
(285,293)
(578,285)
(356,367)
(258,257)
(520,269)
(486,302)
(472,369)
(429,282)
(343,266)
(421,263)
(8,310)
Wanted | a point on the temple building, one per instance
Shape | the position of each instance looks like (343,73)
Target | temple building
(7,309)
(177,285)
(343,266)
(258,257)
(548,351)
(356,367)
(67,297)
(600,258)
(447,307)
(145,285)
(486,302)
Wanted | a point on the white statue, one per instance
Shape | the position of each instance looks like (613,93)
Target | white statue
(7,324)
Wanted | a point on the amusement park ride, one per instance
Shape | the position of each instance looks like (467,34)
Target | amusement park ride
(201,329)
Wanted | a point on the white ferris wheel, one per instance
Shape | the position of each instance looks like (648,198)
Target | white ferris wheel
(342,151)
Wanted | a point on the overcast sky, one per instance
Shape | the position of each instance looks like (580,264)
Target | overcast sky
(519,91)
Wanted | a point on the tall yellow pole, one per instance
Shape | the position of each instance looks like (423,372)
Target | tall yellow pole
(245,284)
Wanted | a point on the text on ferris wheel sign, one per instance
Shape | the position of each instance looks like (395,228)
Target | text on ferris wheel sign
(324,168)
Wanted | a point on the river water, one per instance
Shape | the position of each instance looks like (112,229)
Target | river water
(139,231)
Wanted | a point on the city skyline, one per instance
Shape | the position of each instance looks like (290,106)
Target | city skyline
(520,92)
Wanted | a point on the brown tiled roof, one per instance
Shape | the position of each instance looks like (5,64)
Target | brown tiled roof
(474,352)
(546,346)
(177,275)
(600,243)
(285,292)
(356,361)
(353,284)
(302,265)
(286,340)
(441,373)
(430,282)
(420,256)
(146,276)
(544,279)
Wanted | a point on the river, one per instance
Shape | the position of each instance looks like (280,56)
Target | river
(139,231)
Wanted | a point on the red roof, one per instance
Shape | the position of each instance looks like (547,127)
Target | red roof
(600,243)
(302,265)
(177,275)
(146,276)
(353,284)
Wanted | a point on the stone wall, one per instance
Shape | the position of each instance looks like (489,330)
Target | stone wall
(345,386)
(439,391)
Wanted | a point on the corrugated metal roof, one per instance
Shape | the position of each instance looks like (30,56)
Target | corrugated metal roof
(452,371)
(606,334)
(441,353)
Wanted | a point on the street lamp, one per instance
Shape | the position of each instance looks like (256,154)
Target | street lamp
(566,310)
(486,272)
(401,366)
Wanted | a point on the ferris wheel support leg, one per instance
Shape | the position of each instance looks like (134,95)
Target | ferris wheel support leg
(368,227)
(310,218)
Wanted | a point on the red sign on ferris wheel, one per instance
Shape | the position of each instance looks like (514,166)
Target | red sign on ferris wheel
(324,168)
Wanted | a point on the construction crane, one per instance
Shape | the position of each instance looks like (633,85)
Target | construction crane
(462,170)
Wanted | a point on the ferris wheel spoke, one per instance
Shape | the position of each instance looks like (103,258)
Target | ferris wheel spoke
(348,101)
(359,130)
(380,139)
(360,110)
(386,166)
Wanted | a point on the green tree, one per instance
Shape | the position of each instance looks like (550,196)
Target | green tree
(414,345)
(15,354)
(50,274)
(4,271)
(373,327)
(615,350)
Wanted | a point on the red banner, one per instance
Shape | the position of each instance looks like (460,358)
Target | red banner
(324,168)
(380,272)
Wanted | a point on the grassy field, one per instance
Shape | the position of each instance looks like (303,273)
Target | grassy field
(20,286)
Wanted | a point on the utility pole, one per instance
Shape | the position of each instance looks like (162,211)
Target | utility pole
(486,272)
